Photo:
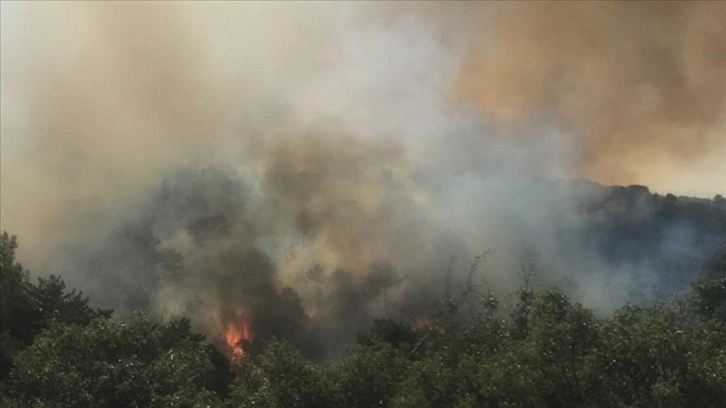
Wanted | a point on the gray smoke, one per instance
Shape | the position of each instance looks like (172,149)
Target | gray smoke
(310,166)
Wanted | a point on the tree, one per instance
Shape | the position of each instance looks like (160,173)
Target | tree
(54,304)
(709,292)
(562,335)
(369,376)
(131,363)
(18,320)
(279,377)
(389,331)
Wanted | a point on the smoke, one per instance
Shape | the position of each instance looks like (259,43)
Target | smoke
(307,166)
(641,85)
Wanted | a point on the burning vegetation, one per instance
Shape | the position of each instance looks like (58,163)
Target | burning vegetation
(304,183)
(540,349)
(238,338)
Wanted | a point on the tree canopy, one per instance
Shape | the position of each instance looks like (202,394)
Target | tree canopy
(543,350)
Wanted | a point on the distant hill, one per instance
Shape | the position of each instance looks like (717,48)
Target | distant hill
(674,238)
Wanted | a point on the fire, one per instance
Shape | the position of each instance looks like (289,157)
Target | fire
(237,337)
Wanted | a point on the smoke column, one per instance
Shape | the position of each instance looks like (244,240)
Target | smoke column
(307,166)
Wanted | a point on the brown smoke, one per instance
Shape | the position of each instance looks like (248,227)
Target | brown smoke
(641,85)
(105,101)
(360,145)
(99,98)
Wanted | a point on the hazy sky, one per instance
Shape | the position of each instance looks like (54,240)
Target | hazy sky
(98,99)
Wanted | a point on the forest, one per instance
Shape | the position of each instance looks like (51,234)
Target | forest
(535,348)
(362,204)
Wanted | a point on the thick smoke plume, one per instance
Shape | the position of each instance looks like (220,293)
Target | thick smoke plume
(309,166)
(641,85)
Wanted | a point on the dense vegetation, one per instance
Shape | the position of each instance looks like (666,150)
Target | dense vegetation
(537,350)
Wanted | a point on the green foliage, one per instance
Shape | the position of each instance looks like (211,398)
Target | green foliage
(279,377)
(654,357)
(13,281)
(55,305)
(397,334)
(16,311)
(134,363)
(27,309)
(564,356)
(369,376)
(543,351)
(709,292)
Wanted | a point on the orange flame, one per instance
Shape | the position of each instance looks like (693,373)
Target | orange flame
(236,336)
